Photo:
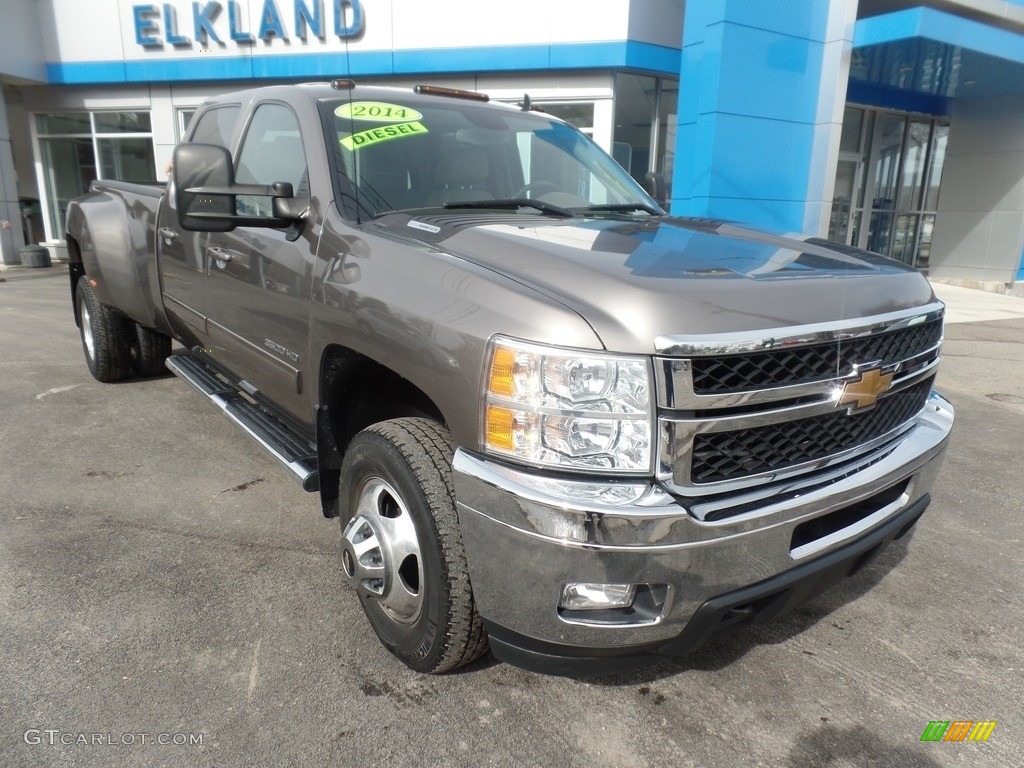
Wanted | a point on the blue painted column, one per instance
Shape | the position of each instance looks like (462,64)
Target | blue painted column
(762,91)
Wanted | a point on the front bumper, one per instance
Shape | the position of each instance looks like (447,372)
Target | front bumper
(527,535)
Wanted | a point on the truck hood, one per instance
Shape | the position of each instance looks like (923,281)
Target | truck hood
(635,280)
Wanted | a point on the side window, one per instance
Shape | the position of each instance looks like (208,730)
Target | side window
(215,126)
(271,152)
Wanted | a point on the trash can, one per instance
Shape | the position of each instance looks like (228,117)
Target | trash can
(34,256)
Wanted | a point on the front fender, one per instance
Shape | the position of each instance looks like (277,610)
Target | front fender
(427,316)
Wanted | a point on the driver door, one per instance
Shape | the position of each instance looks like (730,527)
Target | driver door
(259,279)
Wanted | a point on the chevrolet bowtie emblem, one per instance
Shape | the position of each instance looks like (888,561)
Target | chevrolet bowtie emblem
(862,393)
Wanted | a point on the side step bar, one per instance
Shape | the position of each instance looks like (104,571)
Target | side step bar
(281,442)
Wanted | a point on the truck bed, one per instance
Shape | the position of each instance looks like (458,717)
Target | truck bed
(137,188)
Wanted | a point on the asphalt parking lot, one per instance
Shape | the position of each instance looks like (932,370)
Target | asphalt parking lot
(161,580)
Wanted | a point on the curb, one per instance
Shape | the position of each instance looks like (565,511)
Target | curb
(15,272)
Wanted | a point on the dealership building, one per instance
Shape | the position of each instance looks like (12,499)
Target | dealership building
(888,125)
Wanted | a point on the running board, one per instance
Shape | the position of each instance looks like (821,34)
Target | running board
(273,435)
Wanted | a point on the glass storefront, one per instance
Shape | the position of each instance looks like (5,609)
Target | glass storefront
(78,147)
(578,113)
(645,125)
(887,183)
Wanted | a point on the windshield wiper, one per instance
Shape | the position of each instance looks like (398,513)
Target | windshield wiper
(624,208)
(514,203)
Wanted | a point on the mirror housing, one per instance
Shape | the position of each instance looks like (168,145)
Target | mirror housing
(205,193)
(654,185)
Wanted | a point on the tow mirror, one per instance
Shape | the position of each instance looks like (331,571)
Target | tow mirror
(206,195)
(654,185)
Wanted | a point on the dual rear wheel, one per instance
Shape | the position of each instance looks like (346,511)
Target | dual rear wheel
(115,346)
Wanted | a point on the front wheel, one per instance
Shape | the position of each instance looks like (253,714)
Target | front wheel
(402,548)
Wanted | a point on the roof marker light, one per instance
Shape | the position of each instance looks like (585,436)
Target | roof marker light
(455,93)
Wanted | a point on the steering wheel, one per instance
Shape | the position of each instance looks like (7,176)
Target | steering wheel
(535,186)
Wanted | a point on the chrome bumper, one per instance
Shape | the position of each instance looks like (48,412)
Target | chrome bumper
(527,535)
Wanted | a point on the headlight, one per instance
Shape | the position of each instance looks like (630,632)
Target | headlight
(567,408)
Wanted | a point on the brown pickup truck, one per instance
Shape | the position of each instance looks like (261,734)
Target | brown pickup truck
(550,417)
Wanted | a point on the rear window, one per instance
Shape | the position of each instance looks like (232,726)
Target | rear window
(215,126)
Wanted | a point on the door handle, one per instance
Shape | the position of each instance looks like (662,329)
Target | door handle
(168,234)
(218,253)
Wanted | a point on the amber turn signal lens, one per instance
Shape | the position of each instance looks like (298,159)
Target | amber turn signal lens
(500,424)
(503,366)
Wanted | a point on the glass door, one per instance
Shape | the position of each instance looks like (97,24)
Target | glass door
(887,182)
(846,191)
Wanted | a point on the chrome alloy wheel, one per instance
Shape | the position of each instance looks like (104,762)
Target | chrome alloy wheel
(380,552)
(86,319)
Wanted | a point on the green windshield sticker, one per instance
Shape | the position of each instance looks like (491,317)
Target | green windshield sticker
(384,133)
(377,111)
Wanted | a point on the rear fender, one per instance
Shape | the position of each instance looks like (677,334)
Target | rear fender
(116,249)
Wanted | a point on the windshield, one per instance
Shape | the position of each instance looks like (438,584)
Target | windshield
(450,153)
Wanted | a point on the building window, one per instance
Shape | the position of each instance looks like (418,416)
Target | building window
(184,117)
(578,113)
(887,183)
(78,147)
(645,125)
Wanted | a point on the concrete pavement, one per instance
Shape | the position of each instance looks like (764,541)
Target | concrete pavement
(969,305)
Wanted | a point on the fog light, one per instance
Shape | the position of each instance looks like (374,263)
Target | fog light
(585,596)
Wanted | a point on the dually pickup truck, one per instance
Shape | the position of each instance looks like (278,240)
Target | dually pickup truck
(551,418)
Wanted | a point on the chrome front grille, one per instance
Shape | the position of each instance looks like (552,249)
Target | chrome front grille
(736,454)
(739,411)
(785,367)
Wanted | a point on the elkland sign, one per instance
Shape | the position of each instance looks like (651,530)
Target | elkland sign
(165,41)
(216,23)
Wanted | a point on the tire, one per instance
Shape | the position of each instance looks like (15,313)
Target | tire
(148,351)
(402,548)
(106,335)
